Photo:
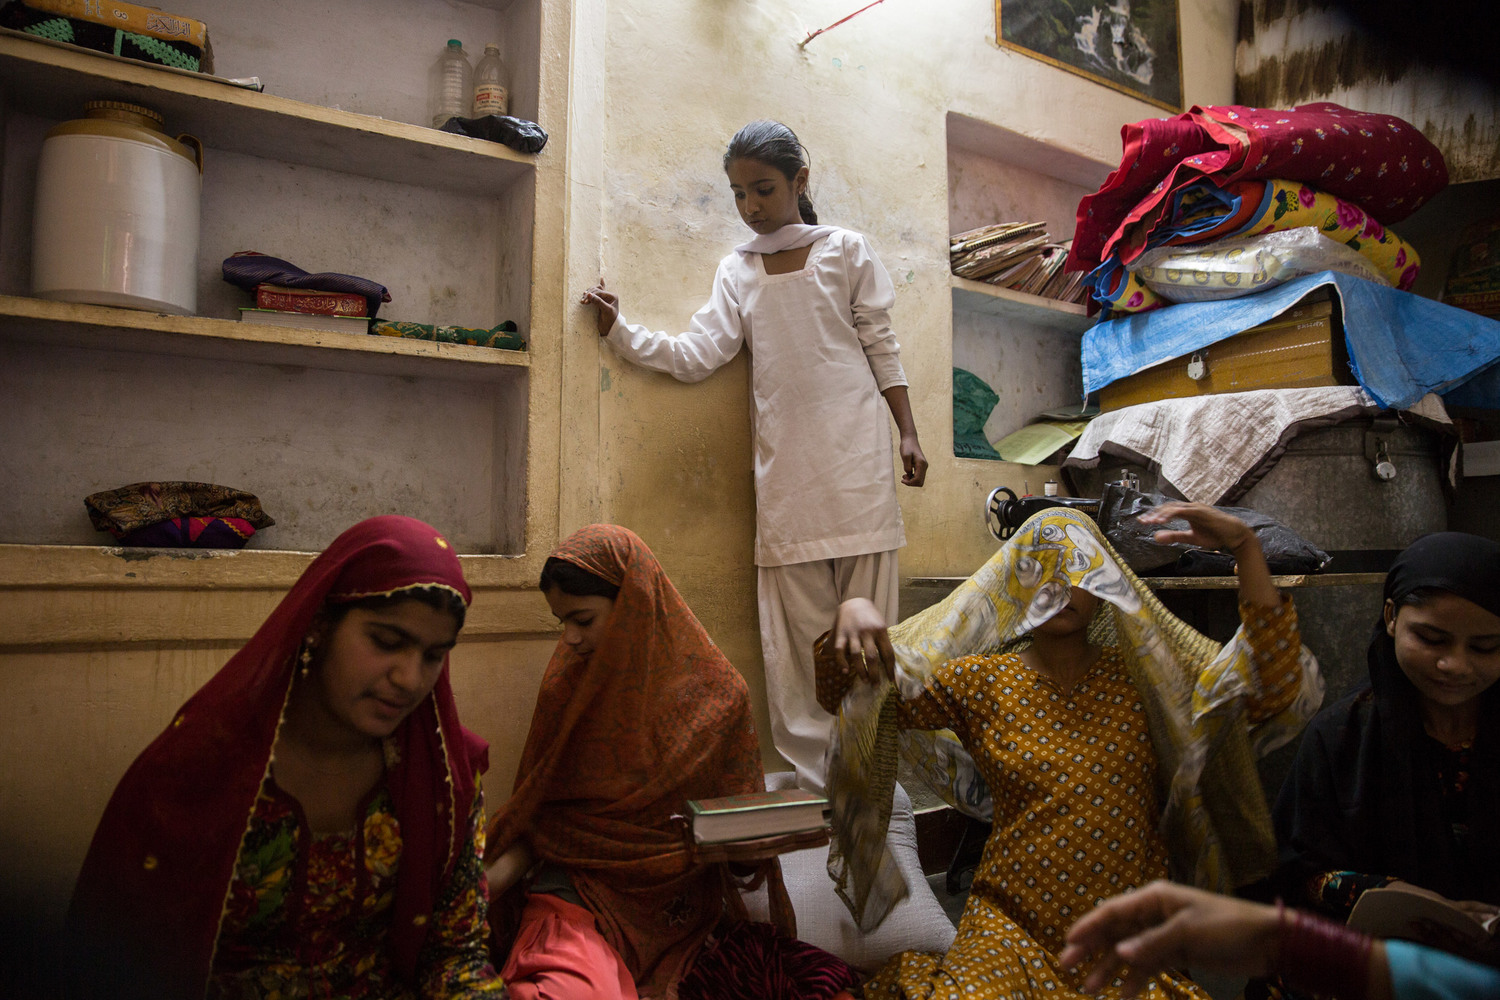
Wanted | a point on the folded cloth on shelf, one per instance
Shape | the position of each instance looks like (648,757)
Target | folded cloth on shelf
(505,336)
(1379,162)
(1204,213)
(132,31)
(193,533)
(249,268)
(1212,449)
(1401,346)
(128,510)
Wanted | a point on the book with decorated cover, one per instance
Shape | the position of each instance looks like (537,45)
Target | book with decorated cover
(310,300)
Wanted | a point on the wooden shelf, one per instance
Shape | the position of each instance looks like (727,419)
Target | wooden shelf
(53,595)
(988,300)
(54,80)
(89,567)
(107,328)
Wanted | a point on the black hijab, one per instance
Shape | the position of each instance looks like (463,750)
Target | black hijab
(1364,795)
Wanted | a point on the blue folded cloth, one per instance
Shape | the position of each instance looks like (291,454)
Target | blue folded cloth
(1401,346)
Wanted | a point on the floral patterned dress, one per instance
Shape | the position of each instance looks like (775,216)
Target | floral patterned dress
(1073,775)
(309,916)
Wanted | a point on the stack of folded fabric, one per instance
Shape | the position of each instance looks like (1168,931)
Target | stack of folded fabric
(1223,175)
(178,515)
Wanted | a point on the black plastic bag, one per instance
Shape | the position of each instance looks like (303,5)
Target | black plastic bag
(517,133)
(1119,507)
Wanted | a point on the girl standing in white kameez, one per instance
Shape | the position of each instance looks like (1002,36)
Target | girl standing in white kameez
(813,304)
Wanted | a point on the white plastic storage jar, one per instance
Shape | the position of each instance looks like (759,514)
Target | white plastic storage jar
(117,212)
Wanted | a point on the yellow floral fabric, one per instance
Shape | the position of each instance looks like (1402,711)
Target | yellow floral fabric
(1074,779)
(308,916)
(1154,751)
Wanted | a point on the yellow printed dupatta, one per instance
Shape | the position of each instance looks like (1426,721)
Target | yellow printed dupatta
(1215,821)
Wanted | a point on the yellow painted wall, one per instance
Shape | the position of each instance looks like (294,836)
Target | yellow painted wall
(654,90)
(869,100)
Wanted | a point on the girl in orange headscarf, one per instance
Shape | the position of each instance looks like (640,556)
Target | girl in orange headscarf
(638,713)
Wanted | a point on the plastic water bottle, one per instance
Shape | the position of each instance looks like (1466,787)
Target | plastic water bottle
(491,95)
(452,84)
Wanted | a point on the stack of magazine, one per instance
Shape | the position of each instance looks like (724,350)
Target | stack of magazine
(1019,256)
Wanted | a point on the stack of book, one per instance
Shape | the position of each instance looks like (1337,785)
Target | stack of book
(308,309)
(756,816)
(1019,256)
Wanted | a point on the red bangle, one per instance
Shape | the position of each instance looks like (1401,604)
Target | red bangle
(1322,957)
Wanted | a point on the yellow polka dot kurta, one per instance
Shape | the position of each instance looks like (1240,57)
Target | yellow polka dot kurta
(1073,779)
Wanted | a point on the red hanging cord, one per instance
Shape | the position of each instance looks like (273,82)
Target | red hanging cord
(835,24)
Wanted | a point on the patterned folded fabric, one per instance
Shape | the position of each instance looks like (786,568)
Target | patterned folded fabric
(125,511)
(193,533)
(505,336)
(1379,163)
(1203,212)
(180,54)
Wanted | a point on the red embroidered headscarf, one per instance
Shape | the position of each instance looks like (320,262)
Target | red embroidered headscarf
(153,887)
(618,744)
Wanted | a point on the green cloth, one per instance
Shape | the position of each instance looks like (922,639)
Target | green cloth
(973,400)
(505,336)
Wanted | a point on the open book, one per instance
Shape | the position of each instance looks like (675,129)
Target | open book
(755,815)
(1411,913)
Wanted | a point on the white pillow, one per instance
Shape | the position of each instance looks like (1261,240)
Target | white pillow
(917,923)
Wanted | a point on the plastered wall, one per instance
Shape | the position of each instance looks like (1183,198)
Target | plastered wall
(869,99)
(654,90)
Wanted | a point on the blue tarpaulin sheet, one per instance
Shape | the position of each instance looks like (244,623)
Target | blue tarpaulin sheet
(1401,346)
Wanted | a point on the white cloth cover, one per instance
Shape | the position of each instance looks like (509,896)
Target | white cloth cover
(1206,446)
(917,923)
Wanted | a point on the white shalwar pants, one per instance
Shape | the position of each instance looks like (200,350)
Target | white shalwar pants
(797,604)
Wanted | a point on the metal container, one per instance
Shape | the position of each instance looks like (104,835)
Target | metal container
(1329,485)
(117,212)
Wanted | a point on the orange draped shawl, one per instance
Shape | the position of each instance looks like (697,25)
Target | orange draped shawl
(619,742)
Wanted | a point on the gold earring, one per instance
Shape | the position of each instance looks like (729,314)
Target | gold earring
(305,657)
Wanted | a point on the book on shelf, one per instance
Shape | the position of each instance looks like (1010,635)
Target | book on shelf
(1005,232)
(310,300)
(1405,911)
(755,815)
(305,321)
(1018,256)
(982,263)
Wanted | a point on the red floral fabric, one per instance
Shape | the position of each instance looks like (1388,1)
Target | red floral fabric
(147,908)
(1379,162)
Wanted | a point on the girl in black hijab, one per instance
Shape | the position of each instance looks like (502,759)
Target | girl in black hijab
(1401,780)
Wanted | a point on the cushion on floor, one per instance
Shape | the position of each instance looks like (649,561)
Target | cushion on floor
(917,923)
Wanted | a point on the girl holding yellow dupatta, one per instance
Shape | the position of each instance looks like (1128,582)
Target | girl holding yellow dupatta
(1117,743)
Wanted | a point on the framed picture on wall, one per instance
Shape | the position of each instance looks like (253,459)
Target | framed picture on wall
(1132,46)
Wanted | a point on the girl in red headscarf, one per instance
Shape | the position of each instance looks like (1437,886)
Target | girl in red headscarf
(310,823)
(638,713)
